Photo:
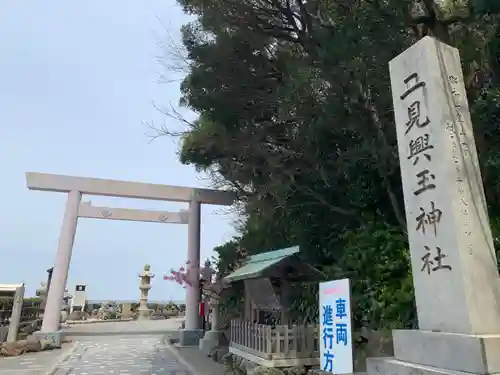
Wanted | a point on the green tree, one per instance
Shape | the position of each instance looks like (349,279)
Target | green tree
(295,114)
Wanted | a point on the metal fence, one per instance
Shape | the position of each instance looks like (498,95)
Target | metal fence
(29,316)
(6,304)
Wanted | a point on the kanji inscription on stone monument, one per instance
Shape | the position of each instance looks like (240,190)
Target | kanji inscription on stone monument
(448,229)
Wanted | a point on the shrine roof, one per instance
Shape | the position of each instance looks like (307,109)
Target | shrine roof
(262,265)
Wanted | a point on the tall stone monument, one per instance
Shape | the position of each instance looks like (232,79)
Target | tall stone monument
(145,286)
(454,266)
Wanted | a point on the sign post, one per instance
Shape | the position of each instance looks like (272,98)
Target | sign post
(80,299)
(335,327)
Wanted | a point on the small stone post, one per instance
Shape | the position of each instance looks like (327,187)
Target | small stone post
(214,337)
(214,304)
(15,317)
(145,286)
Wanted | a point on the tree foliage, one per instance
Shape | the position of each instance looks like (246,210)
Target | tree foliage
(295,114)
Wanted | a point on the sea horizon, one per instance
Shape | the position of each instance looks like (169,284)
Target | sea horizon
(118,302)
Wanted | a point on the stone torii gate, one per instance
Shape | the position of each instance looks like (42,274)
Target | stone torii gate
(74,187)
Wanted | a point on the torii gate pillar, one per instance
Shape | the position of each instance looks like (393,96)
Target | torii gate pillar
(192,332)
(52,313)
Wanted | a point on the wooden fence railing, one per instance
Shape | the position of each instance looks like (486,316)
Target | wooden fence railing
(275,342)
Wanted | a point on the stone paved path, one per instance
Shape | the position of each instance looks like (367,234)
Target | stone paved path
(31,363)
(114,347)
(133,355)
(149,327)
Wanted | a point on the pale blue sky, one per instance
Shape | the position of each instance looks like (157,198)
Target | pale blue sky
(77,79)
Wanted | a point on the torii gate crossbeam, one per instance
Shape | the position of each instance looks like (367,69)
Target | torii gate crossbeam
(86,210)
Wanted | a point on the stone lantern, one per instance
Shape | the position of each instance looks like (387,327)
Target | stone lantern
(206,274)
(41,292)
(145,286)
(65,306)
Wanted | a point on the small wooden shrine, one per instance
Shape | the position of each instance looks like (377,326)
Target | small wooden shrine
(266,335)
